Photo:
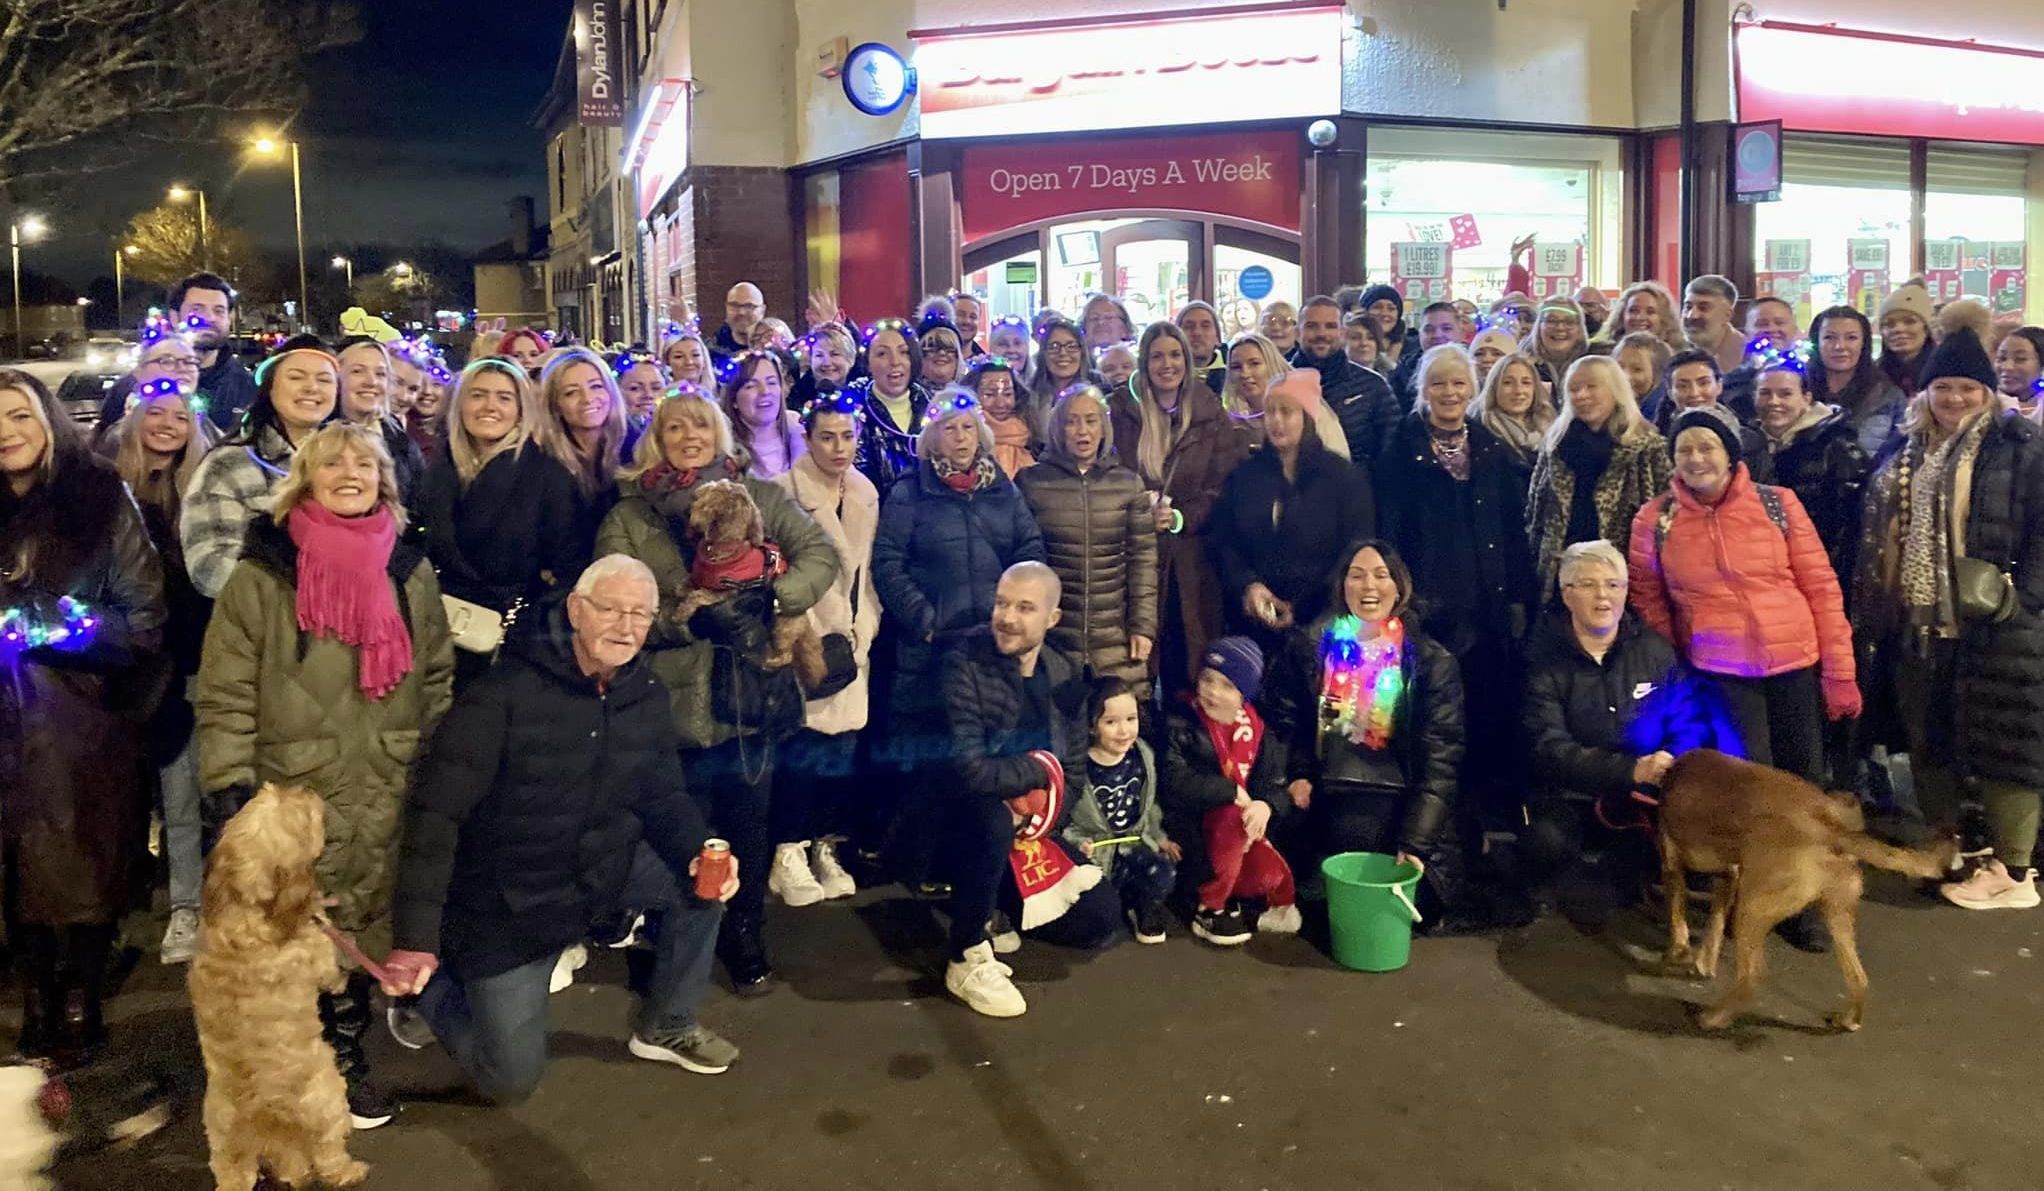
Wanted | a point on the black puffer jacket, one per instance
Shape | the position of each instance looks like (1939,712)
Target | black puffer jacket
(983,700)
(1427,738)
(887,452)
(529,803)
(2000,685)
(1288,534)
(1190,784)
(1361,400)
(1580,713)
(1826,469)
(1465,542)
(1101,540)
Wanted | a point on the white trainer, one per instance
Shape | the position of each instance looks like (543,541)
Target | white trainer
(1992,888)
(1279,920)
(573,960)
(791,880)
(830,874)
(983,983)
(181,937)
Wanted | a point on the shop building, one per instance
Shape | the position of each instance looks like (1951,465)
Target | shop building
(592,268)
(1251,152)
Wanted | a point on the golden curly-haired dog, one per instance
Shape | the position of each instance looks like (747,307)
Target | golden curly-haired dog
(723,521)
(274,1098)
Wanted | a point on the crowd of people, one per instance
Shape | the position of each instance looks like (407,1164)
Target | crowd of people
(1078,628)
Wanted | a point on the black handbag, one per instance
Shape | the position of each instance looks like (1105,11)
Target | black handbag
(1983,591)
(840,664)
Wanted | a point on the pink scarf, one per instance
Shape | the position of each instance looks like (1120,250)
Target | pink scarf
(344,591)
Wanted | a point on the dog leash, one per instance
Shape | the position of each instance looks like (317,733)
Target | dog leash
(341,940)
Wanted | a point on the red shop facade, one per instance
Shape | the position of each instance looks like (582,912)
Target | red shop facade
(1001,197)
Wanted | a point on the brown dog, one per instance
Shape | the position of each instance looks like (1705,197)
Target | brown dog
(728,538)
(274,1098)
(1776,844)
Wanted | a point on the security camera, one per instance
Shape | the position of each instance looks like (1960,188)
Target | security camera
(1321,133)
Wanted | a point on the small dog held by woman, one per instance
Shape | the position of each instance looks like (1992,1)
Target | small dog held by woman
(274,1099)
(733,562)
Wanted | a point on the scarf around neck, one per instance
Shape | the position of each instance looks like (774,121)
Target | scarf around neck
(1587,452)
(1011,443)
(345,592)
(977,476)
(1927,481)
(1236,743)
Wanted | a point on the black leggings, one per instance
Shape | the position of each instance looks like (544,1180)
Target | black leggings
(1780,719)
(811,774)
(730,784)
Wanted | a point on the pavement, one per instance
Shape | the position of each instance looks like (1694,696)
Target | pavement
(1550,1057)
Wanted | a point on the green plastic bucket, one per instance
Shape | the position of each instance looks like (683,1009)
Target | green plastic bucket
(1370,911)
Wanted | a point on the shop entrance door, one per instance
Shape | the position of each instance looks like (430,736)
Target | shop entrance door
(1154,264)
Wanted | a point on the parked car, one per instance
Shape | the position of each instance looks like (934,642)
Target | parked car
(84,391)
(106,353)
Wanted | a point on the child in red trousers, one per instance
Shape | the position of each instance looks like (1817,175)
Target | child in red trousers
(1222,789)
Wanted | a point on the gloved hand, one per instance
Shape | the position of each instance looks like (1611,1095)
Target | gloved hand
(218,806)
(1841,698)
(737,622)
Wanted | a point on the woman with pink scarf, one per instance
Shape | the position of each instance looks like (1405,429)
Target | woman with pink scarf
(327,664)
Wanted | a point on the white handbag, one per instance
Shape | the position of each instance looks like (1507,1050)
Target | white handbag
(476,629)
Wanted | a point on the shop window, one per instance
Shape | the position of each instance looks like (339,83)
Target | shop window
(1839,234)
(1482,191)
(1010,285)
(1974,217)
(1238,311)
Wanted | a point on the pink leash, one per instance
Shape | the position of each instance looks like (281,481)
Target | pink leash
(342,941)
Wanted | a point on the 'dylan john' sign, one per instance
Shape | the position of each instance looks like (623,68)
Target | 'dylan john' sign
(1254,178)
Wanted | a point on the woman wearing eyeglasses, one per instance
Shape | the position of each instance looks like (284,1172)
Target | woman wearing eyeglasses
(1061,362)
(164,356)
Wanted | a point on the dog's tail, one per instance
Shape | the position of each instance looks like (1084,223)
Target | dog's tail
(1927,863)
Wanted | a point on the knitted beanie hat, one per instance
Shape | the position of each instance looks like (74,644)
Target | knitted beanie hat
(1714,418)
(1382,293)
(1239,660)
(1908,298)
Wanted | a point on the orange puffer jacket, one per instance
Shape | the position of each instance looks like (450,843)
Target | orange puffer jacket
(1735,593)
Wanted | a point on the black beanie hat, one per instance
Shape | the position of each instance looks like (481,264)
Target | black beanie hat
(1381,293)
(1960,354)
(1714,418)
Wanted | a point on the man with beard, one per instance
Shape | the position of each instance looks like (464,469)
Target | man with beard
(204,306)
(1596,308)
(1361,400)
(1202,329)
(1707,305)
(744,307)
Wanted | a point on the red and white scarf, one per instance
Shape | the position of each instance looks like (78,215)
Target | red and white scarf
(1236,744)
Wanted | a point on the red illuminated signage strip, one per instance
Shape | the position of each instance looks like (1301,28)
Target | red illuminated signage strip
(1127,18)
(1901,38)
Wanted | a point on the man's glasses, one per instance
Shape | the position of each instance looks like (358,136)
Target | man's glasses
(179,363)
(611,613)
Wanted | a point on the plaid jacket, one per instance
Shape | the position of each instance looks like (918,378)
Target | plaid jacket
(230,488)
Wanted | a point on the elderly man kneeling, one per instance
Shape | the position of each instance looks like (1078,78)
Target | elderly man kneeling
(552,795)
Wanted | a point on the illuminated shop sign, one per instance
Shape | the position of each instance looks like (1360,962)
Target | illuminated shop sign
(1251,176)
(1825,79)
(1228,67)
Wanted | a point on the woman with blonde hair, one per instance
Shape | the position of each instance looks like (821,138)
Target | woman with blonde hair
(1183,445)
(1516,408)
(582,425)
(497,511)
(327,665)
(729,710)
(1255,366)
(687,359)
(1642,306)
(1599,461)
(159,443)
(1557,339)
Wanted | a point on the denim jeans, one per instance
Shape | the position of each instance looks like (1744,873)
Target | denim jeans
(180,783)
(496,1026)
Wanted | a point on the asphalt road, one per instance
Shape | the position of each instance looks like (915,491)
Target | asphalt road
(1545,1058)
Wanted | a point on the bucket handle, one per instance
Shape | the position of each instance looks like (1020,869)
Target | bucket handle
(1399,890)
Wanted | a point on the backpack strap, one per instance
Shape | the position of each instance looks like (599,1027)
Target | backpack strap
(1770,499)
(1662,522)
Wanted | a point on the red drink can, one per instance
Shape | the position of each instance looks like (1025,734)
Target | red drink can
(713,868)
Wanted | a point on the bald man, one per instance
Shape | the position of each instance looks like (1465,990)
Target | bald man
(744,307)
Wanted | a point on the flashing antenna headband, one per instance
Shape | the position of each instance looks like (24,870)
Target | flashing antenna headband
(1011,321)
(840,401)
(622,363)
(683,388)
(1796,358)
(951,401)
(900,326)
(730,368)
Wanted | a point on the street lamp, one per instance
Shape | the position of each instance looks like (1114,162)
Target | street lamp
(31,228)
(269,146)
(180,194)
(342,262)
(120,315)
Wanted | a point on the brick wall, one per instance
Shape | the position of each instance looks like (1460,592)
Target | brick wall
(744,229)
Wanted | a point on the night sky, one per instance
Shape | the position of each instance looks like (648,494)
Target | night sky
(419,132)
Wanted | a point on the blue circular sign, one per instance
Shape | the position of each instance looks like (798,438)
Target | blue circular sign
(876,79)
(1255,283)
